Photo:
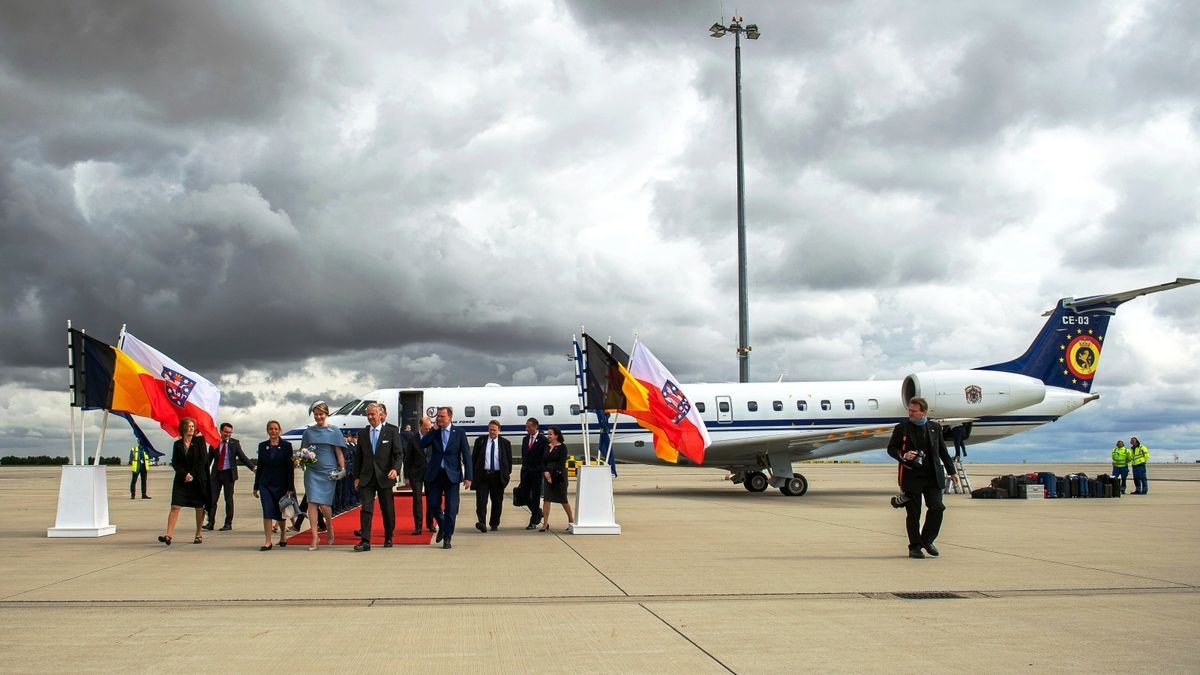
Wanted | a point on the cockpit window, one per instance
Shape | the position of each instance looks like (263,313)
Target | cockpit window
(362,408)
(345,410)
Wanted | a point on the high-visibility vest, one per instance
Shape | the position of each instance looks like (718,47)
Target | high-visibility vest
(136,456)
(1141,455)
(1121,456)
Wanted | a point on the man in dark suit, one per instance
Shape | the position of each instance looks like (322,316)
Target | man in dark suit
(449,466)
(920,447)
(223,473)
(376,466)
(416,461)
(492,460)
(533,450)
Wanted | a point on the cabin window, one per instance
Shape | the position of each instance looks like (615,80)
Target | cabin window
(801,405)
(700,406)
(752,406)
(575,408)
(495,411)
(723,406)
(826,405)
(361,408)
(849,404)
(469,411)
(547,410)
(522,411)
(872,404)
(777,405)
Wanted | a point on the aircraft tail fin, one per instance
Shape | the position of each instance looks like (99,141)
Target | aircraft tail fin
(1066,353)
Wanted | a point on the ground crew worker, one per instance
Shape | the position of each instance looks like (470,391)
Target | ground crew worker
(139,465)
(1139,455)
(1120,460)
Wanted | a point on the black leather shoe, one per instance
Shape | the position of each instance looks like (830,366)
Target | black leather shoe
(132,497)
(915,553)
(145,497)
(387,543)
(480,527)
(225,528)
(495,527)
(416,532)
(931,550)
(531,526)
(363,546)
(208,526)
(439,537)
(446,544)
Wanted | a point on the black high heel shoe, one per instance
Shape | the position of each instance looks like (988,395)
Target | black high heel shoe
(164,539)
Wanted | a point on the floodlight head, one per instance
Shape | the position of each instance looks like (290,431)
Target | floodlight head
(752,32)
(717,30)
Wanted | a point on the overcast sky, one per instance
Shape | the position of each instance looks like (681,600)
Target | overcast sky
(310,199)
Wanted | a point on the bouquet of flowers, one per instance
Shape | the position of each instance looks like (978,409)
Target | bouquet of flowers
(305,457)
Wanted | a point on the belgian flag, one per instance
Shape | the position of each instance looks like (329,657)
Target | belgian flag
(609,386)
(107,379)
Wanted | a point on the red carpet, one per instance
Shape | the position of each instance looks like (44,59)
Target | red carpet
(344,525)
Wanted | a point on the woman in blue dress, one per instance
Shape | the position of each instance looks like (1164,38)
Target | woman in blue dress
(274,477)
(321,478)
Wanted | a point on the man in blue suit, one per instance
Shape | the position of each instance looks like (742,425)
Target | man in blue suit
(449,465)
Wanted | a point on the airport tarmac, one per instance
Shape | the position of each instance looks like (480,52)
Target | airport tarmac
(705,577)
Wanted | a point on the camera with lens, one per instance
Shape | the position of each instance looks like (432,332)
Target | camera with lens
(900,500)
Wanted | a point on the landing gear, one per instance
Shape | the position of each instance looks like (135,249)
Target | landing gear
(755,481)
(796,486)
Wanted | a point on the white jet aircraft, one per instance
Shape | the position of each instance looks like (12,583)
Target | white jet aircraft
(760,429)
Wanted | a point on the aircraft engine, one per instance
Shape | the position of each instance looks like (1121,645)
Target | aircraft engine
(972,393)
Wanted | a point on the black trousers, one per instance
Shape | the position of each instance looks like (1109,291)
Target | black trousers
(222,480)
(531,484)
(923,536)
(418,505)
(387,508)
(491,486)
(133,480)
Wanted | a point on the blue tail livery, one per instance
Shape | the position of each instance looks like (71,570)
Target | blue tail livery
(1066,353)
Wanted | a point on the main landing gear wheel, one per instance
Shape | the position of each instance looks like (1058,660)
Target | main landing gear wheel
(796,486)
(755,481)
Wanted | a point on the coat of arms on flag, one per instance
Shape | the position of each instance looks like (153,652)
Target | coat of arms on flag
(178,386)
(674,397)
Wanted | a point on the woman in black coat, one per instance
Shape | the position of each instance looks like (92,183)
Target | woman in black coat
(554,471)
(189,458)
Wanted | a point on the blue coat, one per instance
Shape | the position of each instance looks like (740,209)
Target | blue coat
(457,453)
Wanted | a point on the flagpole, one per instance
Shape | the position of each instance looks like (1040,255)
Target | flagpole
(71,383)
(612,434)
(104,422)
(580,364)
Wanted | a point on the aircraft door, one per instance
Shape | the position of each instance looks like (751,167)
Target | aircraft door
(724,410)
(412,406)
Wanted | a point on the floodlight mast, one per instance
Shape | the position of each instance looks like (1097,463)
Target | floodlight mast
(738,28)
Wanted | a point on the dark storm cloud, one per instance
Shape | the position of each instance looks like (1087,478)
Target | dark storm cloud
(234,398)
(176,63)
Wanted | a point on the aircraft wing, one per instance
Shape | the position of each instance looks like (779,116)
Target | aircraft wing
(798,443)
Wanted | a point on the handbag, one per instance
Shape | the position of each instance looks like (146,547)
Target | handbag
(520,496)
(288,507)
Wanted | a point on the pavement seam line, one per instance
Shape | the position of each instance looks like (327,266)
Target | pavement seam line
(590,564)
(80,576)
(685,637)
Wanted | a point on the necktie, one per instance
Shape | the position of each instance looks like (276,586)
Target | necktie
(492,455)
(221,459)
(374,437)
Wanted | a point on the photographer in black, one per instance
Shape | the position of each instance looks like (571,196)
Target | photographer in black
(919,446)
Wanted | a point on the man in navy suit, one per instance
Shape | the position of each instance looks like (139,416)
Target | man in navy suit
(449,466)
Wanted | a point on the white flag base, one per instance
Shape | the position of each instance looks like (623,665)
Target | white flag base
(595,512)
(82,503)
